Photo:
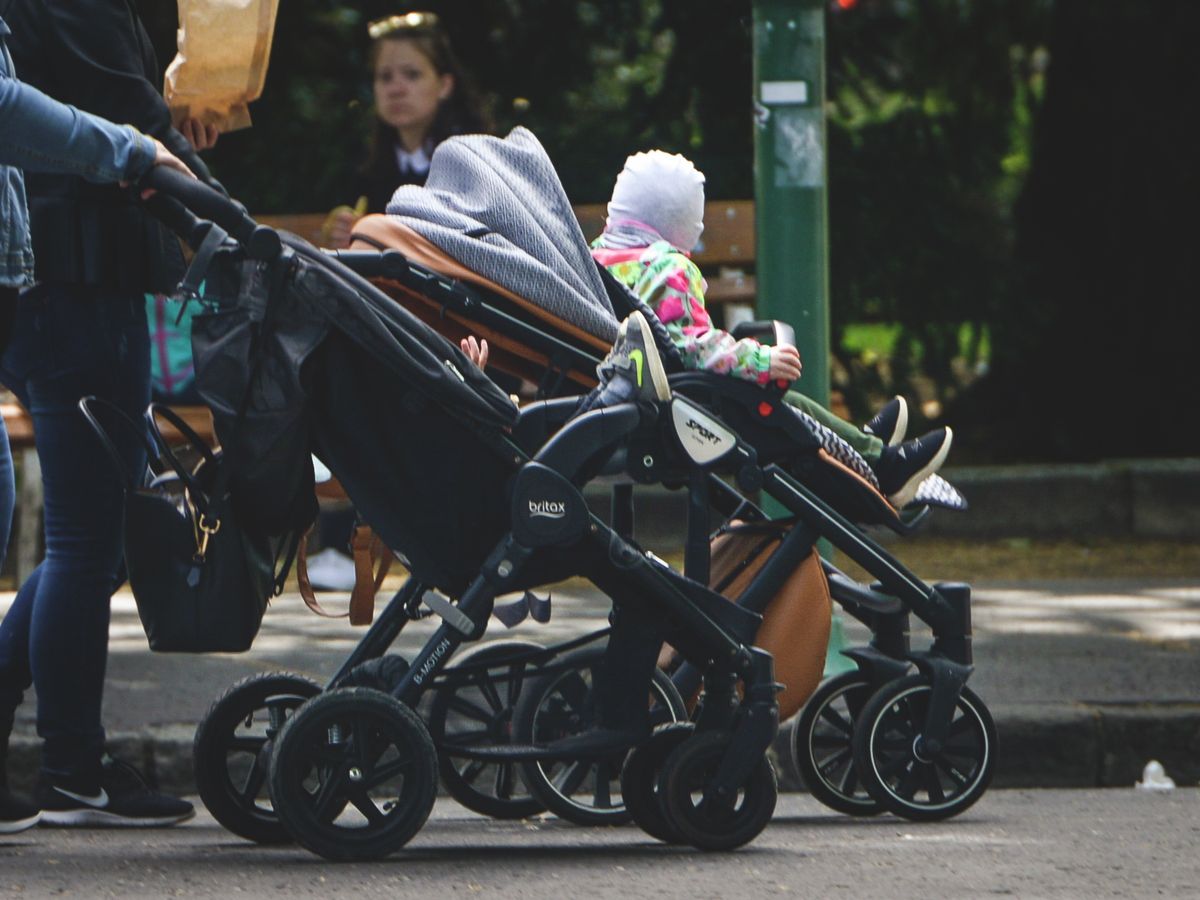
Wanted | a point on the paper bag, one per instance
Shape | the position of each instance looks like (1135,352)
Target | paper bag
(221,64)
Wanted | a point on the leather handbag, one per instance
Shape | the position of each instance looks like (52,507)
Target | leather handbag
(200,580)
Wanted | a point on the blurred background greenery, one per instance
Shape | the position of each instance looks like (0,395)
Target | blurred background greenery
(1013,183)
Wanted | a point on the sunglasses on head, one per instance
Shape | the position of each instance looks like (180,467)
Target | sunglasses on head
(405,22)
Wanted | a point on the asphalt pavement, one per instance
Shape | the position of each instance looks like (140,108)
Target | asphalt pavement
(1087,679)
(1078,844)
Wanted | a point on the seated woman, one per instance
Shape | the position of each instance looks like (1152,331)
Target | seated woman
(422,96)
(655,218)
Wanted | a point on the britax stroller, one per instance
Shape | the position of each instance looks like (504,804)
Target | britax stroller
(423,259)
(296,354)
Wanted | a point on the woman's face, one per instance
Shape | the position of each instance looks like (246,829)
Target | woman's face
(407,87)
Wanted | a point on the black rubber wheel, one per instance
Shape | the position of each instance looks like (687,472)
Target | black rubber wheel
(232,750)
(822,745)
(898,768)
(639,780)
(353,774)
(479,710)
(562,704)
(701,820)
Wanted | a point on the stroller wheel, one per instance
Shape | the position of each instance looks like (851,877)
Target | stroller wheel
(822,745)
(562,704)
(639,780)
(907,777)
(703,821)
(353,774)
(478,709)
(232,749)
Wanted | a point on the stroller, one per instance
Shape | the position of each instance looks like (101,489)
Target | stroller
(558,346)
(481,500)
(751,451)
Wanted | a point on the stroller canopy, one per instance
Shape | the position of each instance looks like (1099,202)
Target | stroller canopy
(496,205)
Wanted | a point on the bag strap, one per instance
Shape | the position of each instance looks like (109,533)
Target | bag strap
(189,288)
(307,594)
(372,561)
(86,405)
(155,410)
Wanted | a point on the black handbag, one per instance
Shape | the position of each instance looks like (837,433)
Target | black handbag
(200,580)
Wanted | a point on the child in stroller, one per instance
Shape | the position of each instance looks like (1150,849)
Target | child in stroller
(655,218)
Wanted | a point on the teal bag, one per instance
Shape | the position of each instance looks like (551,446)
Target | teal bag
(172,372)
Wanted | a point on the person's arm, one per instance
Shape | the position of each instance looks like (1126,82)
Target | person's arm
(39,134)
(673,288)
(103,72)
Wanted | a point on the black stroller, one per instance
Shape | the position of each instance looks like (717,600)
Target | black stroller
(764,451)
(461,484)
(558,347)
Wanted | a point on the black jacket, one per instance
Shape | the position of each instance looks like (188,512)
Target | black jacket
(378,180)
(96,55)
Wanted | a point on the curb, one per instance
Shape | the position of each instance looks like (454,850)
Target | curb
(1040,746)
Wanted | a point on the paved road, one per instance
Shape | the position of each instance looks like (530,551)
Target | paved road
(1045,844)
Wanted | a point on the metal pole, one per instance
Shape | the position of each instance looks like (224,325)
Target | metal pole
(791,218)
(790,204)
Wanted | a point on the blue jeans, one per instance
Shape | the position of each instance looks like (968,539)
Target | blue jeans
(8,491)
(8,487)
(69,341)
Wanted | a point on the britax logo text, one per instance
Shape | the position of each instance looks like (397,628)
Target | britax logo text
(703,432)
(547,509)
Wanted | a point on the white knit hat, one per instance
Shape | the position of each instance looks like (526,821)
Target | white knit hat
(664,191)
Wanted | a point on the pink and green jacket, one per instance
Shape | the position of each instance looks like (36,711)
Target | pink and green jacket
(670,284)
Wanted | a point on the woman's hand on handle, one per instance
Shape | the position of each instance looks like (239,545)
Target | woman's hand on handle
(164,157)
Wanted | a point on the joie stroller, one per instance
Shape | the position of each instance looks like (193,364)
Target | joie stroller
(453,477)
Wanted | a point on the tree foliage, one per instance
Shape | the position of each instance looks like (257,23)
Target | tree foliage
(1011,166)
(1095,346)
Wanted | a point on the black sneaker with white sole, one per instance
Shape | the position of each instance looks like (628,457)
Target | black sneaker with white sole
(901,469)
(118,796)
(891,422)
(16,814)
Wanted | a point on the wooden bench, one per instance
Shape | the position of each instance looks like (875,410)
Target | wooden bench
(725,254)
(28,513)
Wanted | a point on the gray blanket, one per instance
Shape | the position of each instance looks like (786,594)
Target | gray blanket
(496,205)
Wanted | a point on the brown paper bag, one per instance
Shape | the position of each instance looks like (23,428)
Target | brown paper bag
(221,63)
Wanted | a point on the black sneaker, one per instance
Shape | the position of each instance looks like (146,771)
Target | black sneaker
(118,797)
(890,423)
(16,814)
(901,470)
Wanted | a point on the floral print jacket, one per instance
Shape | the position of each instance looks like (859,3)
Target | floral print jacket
(671,284)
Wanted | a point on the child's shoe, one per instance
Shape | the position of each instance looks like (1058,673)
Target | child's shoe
(633,369)
(890,423)
(901,469)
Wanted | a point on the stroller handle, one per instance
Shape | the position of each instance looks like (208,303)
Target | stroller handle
(205,202)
